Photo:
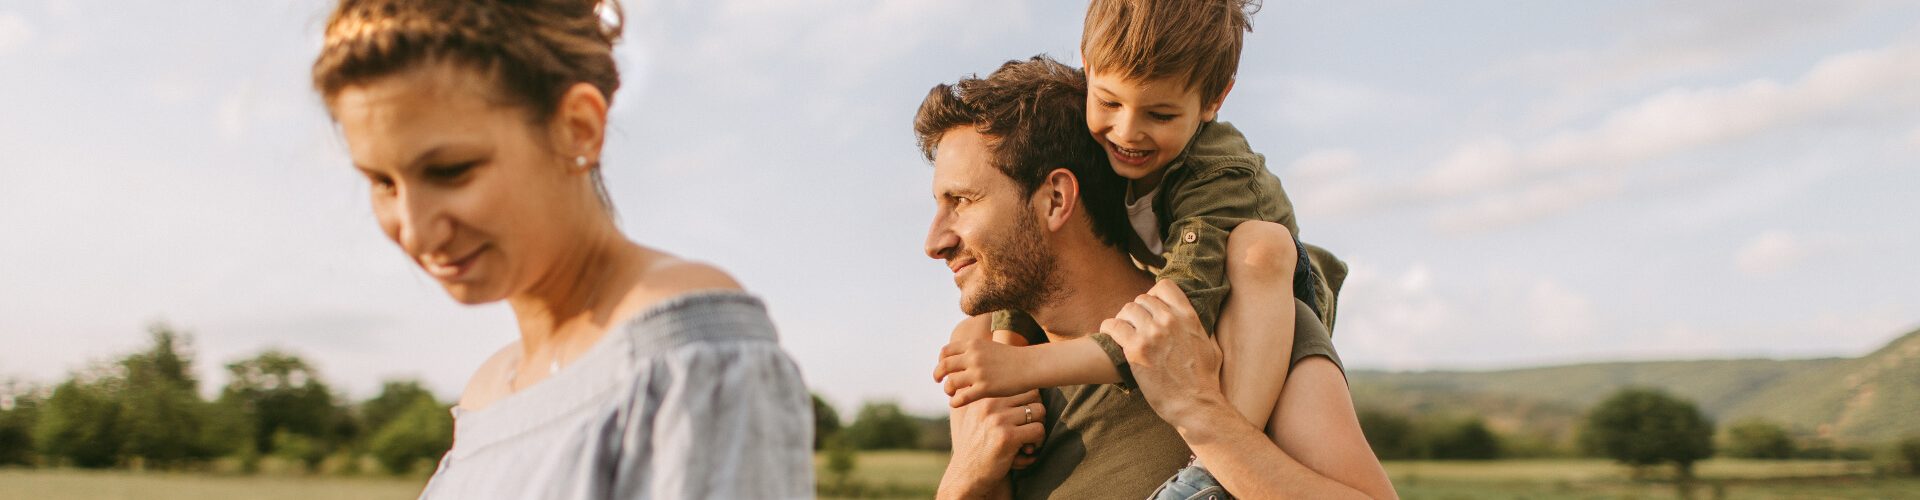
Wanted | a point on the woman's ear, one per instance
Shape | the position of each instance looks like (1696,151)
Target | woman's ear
(580,123)
(1059,198)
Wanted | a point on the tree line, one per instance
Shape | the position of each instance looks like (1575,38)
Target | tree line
(1636,426)
(144,410)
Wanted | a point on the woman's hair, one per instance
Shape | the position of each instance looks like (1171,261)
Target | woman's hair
(532,51)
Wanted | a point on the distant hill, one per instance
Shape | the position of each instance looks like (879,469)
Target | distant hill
(1872,398)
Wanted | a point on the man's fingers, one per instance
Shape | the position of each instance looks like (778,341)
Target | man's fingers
(1170,293)
(1156,307)
(1135,314)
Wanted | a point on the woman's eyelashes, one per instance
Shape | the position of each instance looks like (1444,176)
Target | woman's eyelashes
(449,174)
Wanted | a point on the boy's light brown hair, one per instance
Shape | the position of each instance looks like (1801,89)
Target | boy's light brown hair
(1195,40)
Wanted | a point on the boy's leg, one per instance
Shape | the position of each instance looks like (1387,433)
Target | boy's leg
(1256,324)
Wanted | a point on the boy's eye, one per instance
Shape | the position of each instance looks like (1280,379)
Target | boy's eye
(1162,116)
(381,185)
(1109,104)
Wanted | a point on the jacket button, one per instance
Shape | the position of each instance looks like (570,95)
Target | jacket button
(1189,237)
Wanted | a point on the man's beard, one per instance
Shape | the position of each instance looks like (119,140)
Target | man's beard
(1019,272)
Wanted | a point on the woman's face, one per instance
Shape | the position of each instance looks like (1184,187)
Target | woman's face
(474,193)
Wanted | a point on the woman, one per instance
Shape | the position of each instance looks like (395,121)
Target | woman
(637,374)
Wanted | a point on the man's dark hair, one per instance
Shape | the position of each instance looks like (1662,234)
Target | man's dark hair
(1034,115)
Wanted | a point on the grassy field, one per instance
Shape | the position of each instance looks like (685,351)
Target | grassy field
(914,475)
(919,472)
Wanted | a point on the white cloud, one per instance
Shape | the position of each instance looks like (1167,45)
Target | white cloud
(1558,313)
(1770,253)
(1536,202)
(1323,164)
(14,32)
(1391,320)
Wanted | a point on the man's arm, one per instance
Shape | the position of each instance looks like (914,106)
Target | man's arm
(1322,452)
(987,436)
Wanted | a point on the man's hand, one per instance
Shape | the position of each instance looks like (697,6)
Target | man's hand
(991,437)
(973,369)
(1176,366)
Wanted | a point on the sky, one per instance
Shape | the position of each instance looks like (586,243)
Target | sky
(1512,183)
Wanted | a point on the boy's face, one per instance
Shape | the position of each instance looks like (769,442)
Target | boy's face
(1143,125)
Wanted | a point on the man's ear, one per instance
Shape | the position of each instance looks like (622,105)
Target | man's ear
(1059,198)
(1212,109)
(580,123)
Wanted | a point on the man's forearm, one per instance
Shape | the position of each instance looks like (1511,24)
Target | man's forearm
(1246,461)
(957,484)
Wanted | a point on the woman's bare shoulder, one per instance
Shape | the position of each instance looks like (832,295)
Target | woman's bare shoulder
(489,382)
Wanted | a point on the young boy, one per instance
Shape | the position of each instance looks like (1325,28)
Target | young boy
(1209,216)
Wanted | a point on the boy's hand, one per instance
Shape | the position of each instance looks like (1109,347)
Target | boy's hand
(978,368)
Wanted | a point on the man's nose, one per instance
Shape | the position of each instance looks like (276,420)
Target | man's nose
(940,239)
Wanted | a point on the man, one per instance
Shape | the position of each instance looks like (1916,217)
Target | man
(1030,219)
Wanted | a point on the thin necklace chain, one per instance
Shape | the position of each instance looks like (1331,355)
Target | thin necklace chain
(553,363)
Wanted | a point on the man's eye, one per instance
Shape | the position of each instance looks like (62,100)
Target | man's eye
(1109,104)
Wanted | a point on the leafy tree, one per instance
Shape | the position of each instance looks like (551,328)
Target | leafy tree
(1390,435)
(424,431)
(396,396)
(826,422)
(1756,438)
(1466,439)
(279,392)
(1909,451)
(19,410)
(164,420)
(1644,427)
(80,421)
(882,426)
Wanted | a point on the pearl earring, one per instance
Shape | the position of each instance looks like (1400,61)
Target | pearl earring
(580,161)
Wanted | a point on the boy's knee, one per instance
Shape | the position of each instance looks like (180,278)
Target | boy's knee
(1262,250)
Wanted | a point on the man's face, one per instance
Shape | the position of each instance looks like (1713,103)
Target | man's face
(986,230)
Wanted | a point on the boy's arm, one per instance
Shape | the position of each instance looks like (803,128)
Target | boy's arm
(972,369)
(1202,211)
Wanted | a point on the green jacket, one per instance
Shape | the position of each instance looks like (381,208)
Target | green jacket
(1214,185)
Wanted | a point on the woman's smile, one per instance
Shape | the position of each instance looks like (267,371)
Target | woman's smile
(453,270)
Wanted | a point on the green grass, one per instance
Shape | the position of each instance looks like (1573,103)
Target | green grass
(1516,479)
(908,474)
(62,484)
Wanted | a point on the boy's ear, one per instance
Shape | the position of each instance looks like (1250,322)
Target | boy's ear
(1212,110)
(1057,198)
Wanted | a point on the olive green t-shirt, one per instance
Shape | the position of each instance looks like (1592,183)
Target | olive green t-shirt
(1104,441)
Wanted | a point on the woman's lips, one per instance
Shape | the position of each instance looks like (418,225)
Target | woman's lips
(453,270)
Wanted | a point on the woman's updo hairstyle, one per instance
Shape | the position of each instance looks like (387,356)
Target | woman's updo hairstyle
(532,50)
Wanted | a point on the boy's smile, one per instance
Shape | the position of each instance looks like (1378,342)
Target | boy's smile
(1144,124)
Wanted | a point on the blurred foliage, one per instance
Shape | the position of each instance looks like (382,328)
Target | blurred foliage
(283,400)
(1643,427)
(882,426)
(423,431)
(1759,438)
(826,422)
